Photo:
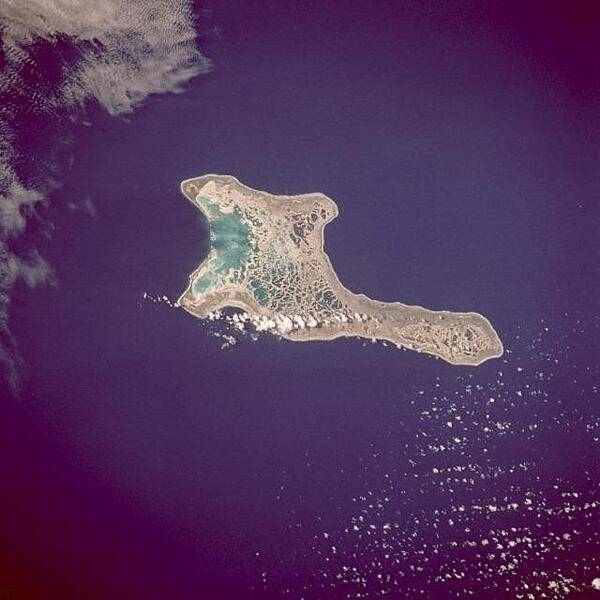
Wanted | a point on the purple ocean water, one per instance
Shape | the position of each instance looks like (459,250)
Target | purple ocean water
(147,457)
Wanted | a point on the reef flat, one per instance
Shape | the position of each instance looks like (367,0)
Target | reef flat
(267,258)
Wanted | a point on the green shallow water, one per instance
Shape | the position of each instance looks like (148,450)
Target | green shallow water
(230,239)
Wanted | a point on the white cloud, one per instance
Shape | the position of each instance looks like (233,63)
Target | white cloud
(127,50)
(115,53)
(15,206)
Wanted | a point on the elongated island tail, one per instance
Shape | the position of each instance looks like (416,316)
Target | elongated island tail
(267,258)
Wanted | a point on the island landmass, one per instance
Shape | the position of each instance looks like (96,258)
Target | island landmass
(267,258)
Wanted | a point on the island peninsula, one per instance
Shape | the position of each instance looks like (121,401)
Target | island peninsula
(267,258)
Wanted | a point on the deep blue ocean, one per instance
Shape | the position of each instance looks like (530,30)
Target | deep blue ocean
(143,460)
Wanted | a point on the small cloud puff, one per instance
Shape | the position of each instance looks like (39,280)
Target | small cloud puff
(15,206)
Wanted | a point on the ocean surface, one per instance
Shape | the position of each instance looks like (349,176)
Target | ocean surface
(149,457)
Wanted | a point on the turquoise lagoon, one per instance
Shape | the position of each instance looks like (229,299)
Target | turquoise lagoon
(230,240)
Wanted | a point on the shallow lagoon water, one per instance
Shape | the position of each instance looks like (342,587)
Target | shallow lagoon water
(230,241)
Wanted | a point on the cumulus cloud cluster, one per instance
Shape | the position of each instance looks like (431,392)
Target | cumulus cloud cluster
(124,50)
(280,323)
(57,56)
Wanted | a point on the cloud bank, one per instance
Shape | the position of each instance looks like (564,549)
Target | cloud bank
(57,57)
